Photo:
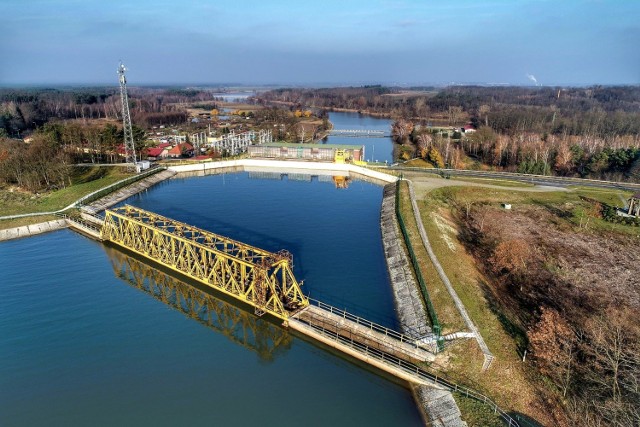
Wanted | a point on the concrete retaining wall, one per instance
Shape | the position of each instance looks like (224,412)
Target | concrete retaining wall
(406,295)
(437,407)
(31,230)
(344,169)
(126,192)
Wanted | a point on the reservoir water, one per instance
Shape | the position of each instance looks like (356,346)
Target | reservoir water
(81,343)
(376,149)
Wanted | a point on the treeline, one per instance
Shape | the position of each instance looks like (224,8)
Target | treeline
(597,111)
(38,166)
(44,163)
(614,158)
(23,110)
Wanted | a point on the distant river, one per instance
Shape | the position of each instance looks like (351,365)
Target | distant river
(234,96)
(81,345)
(376,149)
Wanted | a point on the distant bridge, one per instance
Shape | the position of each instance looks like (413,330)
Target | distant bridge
(359,133)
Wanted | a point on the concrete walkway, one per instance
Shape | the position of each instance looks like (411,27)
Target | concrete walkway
(288,165)
(488,356)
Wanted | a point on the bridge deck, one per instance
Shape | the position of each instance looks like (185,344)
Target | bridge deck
(88,227)
(366,333)
(354,133)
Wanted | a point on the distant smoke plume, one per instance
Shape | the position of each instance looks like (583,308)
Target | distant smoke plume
(532,78)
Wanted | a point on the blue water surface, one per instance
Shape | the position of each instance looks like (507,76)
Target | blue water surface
(79,346)
(375,149)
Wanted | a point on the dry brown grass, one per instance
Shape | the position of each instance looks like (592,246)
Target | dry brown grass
(511,383)
(578,269)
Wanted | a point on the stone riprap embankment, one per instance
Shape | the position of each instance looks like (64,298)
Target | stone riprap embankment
(408,301)
(126,192)
(437,406)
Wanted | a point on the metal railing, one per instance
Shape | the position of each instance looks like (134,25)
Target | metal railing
(372,326)
(79,222)
(416,371)
(437,328)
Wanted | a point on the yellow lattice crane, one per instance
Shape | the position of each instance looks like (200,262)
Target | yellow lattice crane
(255,276)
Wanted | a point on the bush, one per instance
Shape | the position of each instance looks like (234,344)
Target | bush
(610,214)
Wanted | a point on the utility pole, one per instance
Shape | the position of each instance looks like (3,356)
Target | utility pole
(129,146)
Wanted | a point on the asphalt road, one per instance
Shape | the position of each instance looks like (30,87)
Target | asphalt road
(556,181)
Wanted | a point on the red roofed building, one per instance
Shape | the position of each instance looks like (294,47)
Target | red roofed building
(177,151)
(156,153)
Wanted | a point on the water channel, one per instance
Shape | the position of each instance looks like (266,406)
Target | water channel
(90,335)
(376,149)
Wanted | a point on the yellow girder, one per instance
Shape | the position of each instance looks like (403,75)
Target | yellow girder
(258,277)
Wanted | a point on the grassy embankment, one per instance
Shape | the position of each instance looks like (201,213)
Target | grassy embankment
(513,384)
(84,180)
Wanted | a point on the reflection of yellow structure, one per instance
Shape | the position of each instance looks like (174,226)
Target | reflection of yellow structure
(339,156)
(257,277)
(239,326)
(341,181)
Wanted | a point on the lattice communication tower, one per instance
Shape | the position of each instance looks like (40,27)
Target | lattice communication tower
(129,147)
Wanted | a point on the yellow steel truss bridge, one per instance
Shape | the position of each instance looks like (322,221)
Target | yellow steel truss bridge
(255,276)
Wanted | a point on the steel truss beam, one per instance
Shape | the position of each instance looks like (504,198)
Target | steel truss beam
(263,279)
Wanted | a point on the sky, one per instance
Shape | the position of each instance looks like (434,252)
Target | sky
(326,42)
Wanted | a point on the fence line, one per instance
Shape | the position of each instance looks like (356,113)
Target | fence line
(415,370)
(437,328)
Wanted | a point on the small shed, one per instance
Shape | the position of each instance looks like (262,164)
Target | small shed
(634,205)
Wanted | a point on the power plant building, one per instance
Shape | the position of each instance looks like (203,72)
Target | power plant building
(320,152)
